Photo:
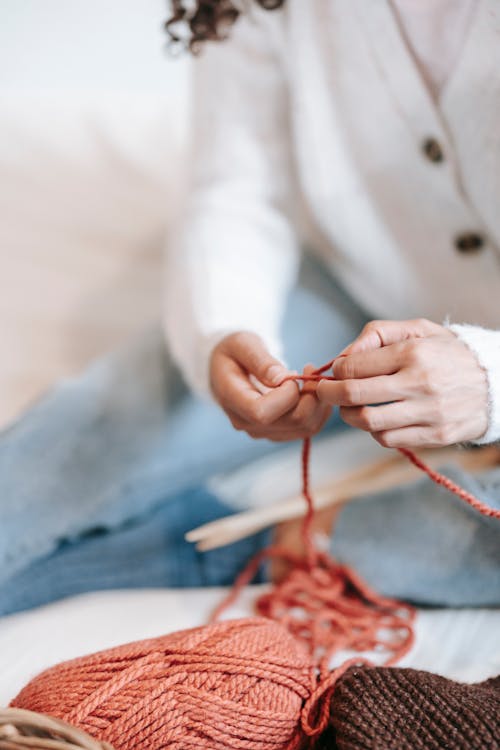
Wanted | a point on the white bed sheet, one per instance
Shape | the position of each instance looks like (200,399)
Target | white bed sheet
(461,644)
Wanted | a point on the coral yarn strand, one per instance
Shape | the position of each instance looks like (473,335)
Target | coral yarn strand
(450,485)
(309,516)
(434,475)
(326,605)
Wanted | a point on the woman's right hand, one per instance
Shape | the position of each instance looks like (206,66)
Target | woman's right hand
(245,380)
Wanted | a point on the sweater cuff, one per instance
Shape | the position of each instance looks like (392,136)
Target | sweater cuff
(486,346)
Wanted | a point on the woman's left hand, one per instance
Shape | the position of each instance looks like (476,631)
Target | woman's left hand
(429,386)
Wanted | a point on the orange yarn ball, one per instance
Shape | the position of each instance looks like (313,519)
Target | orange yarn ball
(235,684)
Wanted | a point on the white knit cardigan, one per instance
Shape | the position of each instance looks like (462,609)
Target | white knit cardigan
(319,110)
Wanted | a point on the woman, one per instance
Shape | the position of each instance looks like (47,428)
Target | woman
(380,120)
(367,131)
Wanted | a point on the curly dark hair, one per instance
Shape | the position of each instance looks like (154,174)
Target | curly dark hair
(190,24)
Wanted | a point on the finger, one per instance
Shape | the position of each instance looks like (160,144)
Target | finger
(388,417)
(256,431)
(322,418)
(281,429)
(308,402)
(364,391)
(384,361)
(310,414)
(299,430)
(284,428)
(251,353)
(274,433)
(309,386)
(379,333)
(278,437)
(237,395)
(305,414)
(237,422)
(261,388)
(415,436)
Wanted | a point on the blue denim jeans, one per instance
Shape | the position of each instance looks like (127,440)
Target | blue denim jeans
(100,479)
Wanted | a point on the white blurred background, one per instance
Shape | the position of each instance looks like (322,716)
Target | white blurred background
(93,127)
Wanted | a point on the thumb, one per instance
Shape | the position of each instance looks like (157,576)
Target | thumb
(378,333)
(251,353)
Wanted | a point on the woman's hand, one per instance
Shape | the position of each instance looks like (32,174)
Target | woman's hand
(245,380)
(429,386)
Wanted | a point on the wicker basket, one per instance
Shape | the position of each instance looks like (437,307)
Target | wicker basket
(26,729)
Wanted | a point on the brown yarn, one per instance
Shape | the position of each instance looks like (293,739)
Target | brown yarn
(407,709)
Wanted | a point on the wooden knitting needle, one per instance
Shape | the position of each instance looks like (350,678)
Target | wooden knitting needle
(369,479)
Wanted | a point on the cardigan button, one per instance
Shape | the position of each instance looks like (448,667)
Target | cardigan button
(433,151)
(469,242)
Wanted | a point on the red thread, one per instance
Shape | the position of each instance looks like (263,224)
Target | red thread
(450,485)
(326,605)
(434,475)
(329,609)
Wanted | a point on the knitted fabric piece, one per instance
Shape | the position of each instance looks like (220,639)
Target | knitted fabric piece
(405,709)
